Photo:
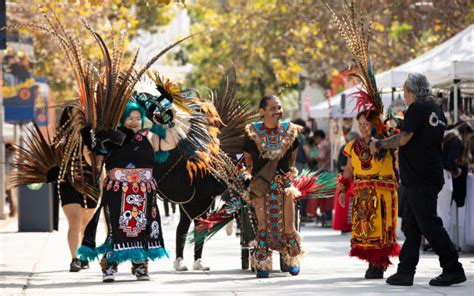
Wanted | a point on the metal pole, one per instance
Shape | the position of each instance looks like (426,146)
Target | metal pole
(2,146)
(456,118)
(456,99)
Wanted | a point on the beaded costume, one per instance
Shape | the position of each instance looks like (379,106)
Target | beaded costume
(264,144)
(375,205)
(374,212)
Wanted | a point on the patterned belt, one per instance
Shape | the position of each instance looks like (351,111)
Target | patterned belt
(374,178)
(387,181)
(131,175)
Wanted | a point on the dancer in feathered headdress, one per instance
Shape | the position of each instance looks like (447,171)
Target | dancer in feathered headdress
(110,128)
(198,169)
(373,179)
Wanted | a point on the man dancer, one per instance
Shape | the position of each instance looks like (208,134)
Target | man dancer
(270,151)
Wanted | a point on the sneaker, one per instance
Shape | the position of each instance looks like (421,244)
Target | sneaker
(141,273)
(262,274)
(294,270)
(374,272)
(179,265)
(75,265)
(398,279)
(200,265)
(108,275)
(85,264)
(449,278)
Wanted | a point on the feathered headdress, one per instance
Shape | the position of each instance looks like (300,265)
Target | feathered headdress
(182,115)
(104,87)
(356,34)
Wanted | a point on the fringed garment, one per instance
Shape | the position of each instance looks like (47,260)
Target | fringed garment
(133,218)
(375,205)
(264,144)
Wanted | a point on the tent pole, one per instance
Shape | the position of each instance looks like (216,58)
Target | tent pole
(456,99)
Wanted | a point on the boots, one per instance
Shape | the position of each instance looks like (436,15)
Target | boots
(104,265)
(140,270)
(262,261)
(374,272)
(294,251)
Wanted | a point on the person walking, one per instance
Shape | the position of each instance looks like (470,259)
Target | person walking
(421,169)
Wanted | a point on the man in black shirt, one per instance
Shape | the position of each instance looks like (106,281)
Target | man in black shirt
(421,168)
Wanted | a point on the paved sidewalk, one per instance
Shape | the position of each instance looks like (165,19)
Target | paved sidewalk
(38,263)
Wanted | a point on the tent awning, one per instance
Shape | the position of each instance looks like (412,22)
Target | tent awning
(453,59)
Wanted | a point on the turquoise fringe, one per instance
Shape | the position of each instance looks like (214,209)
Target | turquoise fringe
(87,253)
(105,248)
(157,253)
(137,255)
(161,156)
(158,130)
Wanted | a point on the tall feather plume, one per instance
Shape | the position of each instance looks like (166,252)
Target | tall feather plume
(116,83)
(356,33)
(86,77)
(235,114)
(81,66)
(104,89)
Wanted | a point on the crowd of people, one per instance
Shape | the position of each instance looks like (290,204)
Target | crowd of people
(110,160)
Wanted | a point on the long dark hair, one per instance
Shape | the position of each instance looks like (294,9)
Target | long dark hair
(463,127)
(455,133)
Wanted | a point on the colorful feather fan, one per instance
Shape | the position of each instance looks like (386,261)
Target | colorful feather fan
(39,157)
(35,159)
(310,184)
(314,184)
(356,34)
(216,220)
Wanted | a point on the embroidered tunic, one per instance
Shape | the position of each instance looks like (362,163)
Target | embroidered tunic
(133,218)
(375,205)
(263,144)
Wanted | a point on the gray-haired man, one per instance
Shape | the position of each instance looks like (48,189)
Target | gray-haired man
(421,171)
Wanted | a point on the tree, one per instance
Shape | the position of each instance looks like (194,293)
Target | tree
(104,16)
(272,41)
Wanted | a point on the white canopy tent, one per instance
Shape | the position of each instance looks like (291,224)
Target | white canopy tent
(448,63)
(332,107)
